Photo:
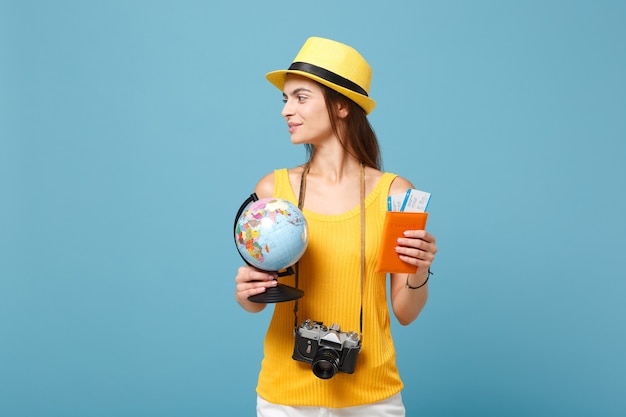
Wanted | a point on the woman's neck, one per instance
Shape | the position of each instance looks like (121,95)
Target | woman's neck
(333,168)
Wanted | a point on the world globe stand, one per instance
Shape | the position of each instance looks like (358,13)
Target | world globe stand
(279,293)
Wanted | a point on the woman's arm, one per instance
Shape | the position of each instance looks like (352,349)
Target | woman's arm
(251,281)
(417,247)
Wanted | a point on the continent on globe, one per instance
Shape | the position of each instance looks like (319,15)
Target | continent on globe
(271,234)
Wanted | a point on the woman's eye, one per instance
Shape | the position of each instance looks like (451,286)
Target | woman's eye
(300,99)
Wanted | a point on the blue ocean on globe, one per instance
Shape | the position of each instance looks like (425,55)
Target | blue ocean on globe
(271,234)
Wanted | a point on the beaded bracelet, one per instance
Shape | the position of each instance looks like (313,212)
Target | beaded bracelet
(419,286)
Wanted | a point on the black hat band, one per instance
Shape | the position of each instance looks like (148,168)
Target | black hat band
(328,76)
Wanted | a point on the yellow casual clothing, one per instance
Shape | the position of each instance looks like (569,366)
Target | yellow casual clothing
(331,280)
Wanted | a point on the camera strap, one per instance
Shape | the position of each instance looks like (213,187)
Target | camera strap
(301,195)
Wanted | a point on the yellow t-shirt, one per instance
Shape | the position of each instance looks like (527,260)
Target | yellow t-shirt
(331,280)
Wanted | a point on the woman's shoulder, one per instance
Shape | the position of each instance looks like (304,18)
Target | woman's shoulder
(266,185)
(400,185)
(295,171)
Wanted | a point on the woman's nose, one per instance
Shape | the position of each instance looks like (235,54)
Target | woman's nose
(287,109)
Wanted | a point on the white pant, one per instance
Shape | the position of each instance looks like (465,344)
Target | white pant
(391,406)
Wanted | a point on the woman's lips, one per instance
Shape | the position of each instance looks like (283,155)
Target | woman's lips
(293,127)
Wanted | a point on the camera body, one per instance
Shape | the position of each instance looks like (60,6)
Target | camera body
(327,349)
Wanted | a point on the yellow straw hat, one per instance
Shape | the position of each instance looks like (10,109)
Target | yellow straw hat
(333,64)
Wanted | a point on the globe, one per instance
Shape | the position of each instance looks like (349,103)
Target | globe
(271,234)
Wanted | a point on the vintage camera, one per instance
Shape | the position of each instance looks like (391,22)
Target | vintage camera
(328,350)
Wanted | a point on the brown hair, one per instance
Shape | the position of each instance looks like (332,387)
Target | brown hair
(355,133)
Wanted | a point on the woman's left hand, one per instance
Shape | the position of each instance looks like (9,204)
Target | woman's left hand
(417,247)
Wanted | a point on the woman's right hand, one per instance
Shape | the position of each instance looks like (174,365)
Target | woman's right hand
(251,281)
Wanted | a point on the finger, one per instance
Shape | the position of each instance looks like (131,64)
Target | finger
(420,234)
(423,245)
(254,287)
(410,252)
(420,263)
(416,234)
(415,253)
(242,296)
(262,276)
(413,243)
(247,274)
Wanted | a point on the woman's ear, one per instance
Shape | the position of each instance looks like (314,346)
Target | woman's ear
(342,110)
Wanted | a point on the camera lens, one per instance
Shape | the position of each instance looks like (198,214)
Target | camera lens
(325,363)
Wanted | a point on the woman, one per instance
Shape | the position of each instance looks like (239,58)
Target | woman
(343,195)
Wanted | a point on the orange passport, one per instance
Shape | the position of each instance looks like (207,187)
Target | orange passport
(396,223)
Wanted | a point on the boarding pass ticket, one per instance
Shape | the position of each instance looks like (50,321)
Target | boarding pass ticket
(411,201)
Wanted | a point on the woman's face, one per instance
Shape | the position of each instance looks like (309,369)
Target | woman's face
(305,111)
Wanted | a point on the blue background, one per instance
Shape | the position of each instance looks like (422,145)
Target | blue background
(130,132)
